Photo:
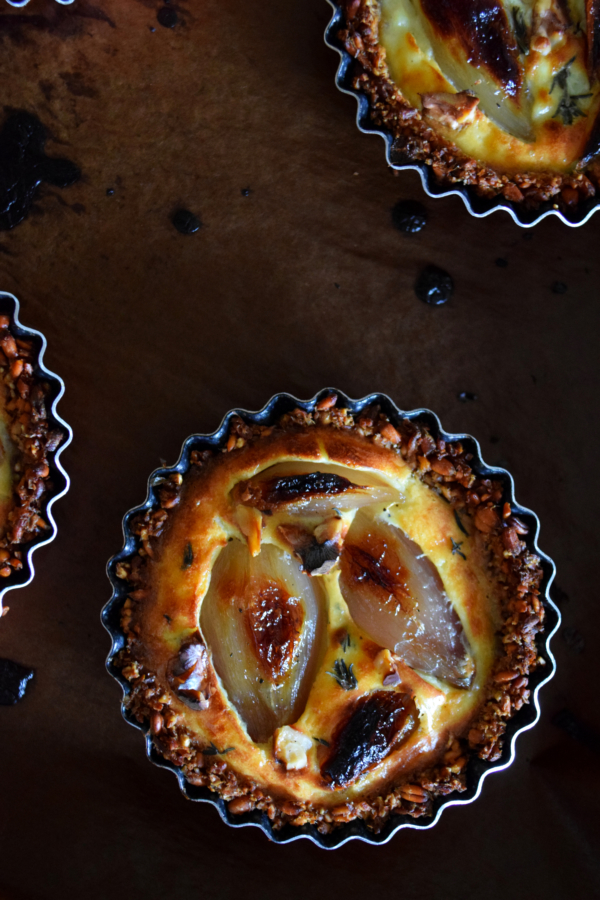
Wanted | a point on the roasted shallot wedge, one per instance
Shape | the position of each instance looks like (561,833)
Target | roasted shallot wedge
(374,725)
(477,51)
(263,623)
(395,595)
(309,489)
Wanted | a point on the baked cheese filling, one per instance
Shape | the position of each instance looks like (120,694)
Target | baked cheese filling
(513,85)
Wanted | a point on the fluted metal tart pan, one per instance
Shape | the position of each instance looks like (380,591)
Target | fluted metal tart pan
(478,769)
(58,480)
(480,207)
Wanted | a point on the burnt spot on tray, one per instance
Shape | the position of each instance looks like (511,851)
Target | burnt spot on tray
(574,639)
(577,729)
(14,680)
(186,222)
(434,286)
(76,86)
(24,166)
(61,22)
(409,216)
(167,17)
(376,724)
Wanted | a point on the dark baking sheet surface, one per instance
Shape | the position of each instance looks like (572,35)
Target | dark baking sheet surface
(157,334)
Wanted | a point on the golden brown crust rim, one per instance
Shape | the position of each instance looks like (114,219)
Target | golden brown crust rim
(25,404)
(418,142)
(446,468)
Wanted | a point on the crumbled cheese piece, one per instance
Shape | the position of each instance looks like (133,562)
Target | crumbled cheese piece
(291,747)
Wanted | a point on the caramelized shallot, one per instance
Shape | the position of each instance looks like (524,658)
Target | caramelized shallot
(476,50)
(305,489)
(263,623)
(395,594)
(376,724)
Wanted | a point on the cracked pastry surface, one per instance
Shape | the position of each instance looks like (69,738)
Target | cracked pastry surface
(503,96)
(320,618)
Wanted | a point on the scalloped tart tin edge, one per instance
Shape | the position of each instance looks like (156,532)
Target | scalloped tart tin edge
(61,479)
(477,206)
(523,720)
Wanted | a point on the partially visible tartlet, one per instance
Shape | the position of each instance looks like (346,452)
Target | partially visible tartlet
(328,616)
(500,96)
(28,440)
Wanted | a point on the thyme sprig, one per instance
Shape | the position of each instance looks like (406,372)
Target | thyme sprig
(520,27)
(568,105)
(456,545)
(344,675)
(460,524)
(213,750)
(188,556)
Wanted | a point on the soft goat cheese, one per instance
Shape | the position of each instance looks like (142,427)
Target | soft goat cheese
(291,747)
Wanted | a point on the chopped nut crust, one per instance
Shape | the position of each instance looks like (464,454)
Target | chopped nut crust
(24,397)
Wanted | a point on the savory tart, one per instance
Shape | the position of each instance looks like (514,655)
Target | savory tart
(326,617)
(503,96)
(26,441)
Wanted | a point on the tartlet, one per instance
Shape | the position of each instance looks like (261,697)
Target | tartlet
(283,633)
(500,97)
(32,436)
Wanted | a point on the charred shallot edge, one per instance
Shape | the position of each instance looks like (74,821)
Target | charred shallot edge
(479,502)
(372,727)
(29,429)
(315,490)
(415,139)
(475,47)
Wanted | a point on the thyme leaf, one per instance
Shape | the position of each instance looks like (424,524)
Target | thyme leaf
(344,675)
(345,643)
(460,524)
(456,545)
(520,30)
(568,106)
(562,76)
(188,556)
(321,741)
(213,750)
